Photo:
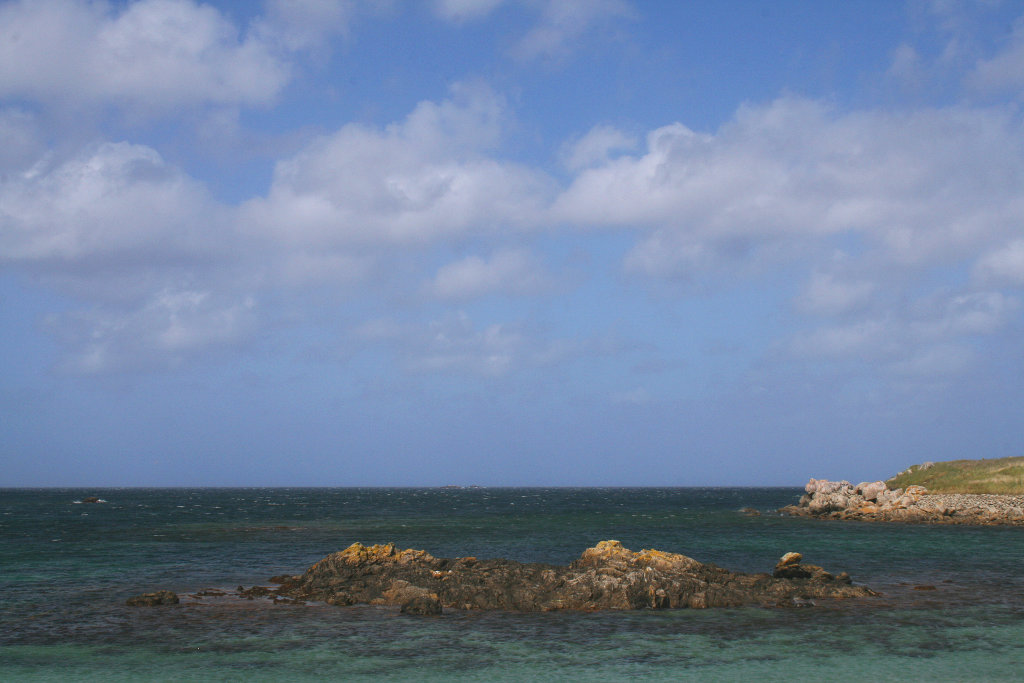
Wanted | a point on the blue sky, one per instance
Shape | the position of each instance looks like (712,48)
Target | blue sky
(508,242)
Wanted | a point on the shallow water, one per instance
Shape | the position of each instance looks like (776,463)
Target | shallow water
(66,569)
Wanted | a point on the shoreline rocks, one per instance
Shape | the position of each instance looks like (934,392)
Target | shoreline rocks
(874,501)
(607,576)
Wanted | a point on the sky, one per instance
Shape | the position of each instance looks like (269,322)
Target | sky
(508,242)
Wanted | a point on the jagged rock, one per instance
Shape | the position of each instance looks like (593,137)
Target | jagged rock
(870,490)
(789,559)
(607,576)
(790,567)
(163,597)
(255,592)
(873,501)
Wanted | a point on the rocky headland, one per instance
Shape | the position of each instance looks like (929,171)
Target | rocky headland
(607,576)
(875,501)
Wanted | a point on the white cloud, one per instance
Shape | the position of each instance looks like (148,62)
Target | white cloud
(871,339)
(938,361)
(1005,71)
(828,295)
(413,182)
(148,55)
(170,328)
(454,344)
(115,202)
(509,271)
(1004,265)
(595,147)
(974,313)
(563,22)
(20,140)
(304,24)
(931,335)
(465,10)
(906,65)
(916,188)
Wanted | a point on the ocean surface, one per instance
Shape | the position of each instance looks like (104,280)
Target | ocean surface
(67,567)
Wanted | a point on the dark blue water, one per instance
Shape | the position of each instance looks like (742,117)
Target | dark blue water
(66,569)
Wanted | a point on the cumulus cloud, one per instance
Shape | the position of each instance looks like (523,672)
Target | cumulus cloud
(917,187)
(873,201)
(563,22)
(595,147)
(121,228)
(148,55)
(425,178)
(114,202)
(508,271)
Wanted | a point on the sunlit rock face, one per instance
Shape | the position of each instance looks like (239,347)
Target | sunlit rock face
(874,501)
(606,576)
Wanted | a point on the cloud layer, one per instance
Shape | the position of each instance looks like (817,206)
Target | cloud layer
(565,216)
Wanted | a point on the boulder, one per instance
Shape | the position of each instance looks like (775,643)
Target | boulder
(870,490)
(422,605)
(789,559)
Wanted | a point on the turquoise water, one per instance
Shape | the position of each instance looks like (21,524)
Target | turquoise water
(66,569)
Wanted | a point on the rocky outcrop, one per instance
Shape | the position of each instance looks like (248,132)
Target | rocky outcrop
(153,599)
(607,576)
(874,501)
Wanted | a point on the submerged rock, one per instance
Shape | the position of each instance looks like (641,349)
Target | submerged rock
(607,576)
(153,599)
(423,605)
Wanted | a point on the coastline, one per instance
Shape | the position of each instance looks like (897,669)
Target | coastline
(875,502)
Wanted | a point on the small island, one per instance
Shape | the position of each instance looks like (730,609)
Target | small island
(985,492)
(605,577)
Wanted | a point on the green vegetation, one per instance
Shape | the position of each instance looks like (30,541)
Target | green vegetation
(1000,475)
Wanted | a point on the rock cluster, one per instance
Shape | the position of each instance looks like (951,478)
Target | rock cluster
(162,597)
(607,576)
(874,501)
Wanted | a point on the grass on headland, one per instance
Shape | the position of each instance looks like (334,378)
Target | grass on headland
(999,475)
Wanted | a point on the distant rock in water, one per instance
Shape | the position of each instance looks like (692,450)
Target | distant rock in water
(92,499)
(153,599)
(875,501)
(607,576)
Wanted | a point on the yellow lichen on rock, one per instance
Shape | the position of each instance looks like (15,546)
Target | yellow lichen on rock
(357,553)
(612,555)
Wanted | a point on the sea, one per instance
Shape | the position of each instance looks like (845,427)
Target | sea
(951,606)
